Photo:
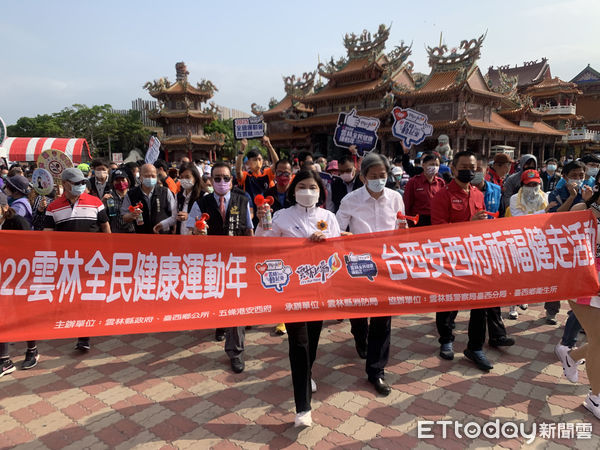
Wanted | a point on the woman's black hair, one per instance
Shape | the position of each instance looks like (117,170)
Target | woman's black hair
(303,175)
(198,183)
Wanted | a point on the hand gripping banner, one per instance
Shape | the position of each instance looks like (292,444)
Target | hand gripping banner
(59,285)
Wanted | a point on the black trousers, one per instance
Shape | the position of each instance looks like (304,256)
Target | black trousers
(552,307)
(479,320)
(376,335)
(303,339)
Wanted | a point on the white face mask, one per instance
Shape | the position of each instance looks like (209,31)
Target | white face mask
(376,185)
(477,179)
(307,197)
(577,182)
(77,189)
(530,193)
(186,184)
(592,171)
(432,170)
(101,174)
(347,177)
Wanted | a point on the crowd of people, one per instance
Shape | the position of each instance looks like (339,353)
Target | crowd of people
(315,198)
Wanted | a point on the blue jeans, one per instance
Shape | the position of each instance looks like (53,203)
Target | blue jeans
(572,328)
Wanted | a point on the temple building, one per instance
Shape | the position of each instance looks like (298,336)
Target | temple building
(476,113)
(363,80)
(586,135)
(182,117)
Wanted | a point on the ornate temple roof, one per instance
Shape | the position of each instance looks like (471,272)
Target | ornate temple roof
(162,87)
(551,86)
(587,75)
(528,74)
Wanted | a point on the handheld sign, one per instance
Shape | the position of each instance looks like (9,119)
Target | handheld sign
(55,162)
(42,181)
(356,130)
(410,126)
(248,128)
(2,131)
(153,150)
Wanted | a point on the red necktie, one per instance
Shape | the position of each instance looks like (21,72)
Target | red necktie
(222,207)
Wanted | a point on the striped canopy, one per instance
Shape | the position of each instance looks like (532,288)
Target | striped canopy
(28,149)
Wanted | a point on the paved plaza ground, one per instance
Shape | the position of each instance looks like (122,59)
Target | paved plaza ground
(176,390)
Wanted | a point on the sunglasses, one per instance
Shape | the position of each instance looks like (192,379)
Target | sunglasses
(218,179)
(78,183)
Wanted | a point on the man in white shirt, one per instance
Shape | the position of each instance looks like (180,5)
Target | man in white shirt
(369,209)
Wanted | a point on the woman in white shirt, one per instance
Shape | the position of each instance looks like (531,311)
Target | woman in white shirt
(191,190)
(304,219)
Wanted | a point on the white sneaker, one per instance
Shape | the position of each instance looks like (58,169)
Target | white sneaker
(524,306)
(592,404)
(313,386)
(303,419)
(513,314)
(569,365)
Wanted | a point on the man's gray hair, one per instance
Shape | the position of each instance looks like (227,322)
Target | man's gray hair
(373,159)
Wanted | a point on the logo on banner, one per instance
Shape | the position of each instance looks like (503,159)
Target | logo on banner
(248,128)
(274,274)
(320,273)
(410,126)
(361,266)
(356,130)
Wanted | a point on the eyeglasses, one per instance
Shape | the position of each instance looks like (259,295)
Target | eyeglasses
(78,183)
(218,179)
(283,174)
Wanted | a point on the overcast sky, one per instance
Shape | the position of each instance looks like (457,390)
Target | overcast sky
(57,53)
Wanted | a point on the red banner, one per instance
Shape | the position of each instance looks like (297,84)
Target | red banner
(58,285)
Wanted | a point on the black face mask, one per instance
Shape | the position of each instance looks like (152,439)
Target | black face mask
(465,176)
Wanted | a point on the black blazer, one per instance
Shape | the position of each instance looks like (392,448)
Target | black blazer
(339,191)
(16,223)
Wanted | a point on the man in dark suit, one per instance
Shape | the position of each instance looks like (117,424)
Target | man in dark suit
(347,182)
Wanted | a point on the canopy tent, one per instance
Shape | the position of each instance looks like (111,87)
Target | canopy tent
(28,149)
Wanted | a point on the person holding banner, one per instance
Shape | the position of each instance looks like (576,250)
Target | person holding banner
(191,190)
(303,220)
(460,201)
(370,209)
(229,215)
(421,188)
(587,311)
(10,220)
(77,211)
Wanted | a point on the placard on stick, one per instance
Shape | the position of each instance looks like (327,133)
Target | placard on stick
(353,129)
(248,128)
(410,126)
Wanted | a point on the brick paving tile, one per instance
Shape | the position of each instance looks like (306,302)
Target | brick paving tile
(177,391)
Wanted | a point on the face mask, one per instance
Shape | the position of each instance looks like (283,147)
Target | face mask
(465,176)
(282,180)
(551,168)
(149,182)
(431,170)
(186,184)
(530,193)
(137,176)
(376,185)
(121,185)
(101,174)
(222,187)
(210,189)
(323,165)
(307,197)
(4,175)
(592,171)
(577,182)
(477,179)
(347,177)
(77,190)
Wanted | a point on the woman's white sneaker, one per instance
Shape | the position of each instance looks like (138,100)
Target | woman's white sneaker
(303,419)
(568,363)
(592,404)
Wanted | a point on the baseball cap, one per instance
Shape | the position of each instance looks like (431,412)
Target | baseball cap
(396,171)
(502,158)
(72,175)
(119,174)
(530,176)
